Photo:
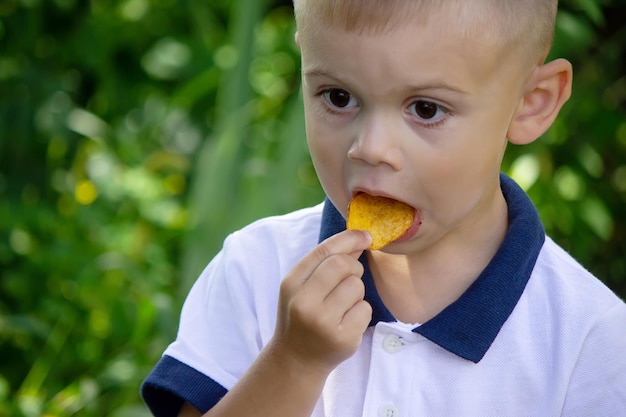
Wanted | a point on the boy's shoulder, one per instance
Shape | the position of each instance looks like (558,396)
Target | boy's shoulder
(556,262)
(568,286)
(289,235)
(300,222)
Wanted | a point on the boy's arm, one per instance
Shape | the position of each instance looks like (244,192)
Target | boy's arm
(273,386)
(320,322)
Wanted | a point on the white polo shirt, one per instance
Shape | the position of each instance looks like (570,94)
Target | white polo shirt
(535,335)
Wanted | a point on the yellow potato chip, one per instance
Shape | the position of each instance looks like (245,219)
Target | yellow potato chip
(384,218)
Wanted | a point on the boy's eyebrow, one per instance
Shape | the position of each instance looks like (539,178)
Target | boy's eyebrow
(435,85)
(319,73)
(438,85)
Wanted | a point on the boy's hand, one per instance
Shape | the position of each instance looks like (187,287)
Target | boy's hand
(321,311)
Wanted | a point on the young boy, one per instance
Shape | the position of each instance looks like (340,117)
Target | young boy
(474,312)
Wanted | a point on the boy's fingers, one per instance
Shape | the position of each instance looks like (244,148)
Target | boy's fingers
(330,274)
(349,242)
(358,317)
(347,293)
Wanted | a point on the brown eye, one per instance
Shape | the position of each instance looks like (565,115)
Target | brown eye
(428,113)
(338,98)
(425,109)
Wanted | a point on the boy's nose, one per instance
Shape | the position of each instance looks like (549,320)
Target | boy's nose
(377,142)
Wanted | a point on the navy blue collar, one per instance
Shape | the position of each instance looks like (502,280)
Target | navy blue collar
(469,326)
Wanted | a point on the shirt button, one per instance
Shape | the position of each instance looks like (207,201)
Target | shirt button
(392,343)
(389,410)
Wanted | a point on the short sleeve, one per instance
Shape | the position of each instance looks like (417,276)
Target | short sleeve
(222,330)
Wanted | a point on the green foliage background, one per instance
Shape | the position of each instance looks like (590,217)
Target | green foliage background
(134,135)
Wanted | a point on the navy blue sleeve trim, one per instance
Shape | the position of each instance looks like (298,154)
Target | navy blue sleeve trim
(172,382)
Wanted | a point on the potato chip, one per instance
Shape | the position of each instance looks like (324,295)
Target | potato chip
(384,218)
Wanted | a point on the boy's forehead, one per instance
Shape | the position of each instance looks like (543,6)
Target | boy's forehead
(406,30)
(410,57)
(503,22)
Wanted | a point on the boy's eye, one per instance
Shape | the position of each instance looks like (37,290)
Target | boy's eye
(339,98)
(427,110)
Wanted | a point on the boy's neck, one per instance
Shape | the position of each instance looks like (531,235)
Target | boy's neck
(417,287)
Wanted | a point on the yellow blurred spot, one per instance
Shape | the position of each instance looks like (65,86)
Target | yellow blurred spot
(86,192)
(174,184)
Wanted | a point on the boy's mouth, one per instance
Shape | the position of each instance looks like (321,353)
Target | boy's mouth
(413,229)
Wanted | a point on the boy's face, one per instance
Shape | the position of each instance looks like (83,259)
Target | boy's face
(419,114)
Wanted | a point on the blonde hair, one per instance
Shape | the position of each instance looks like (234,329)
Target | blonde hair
(527,23)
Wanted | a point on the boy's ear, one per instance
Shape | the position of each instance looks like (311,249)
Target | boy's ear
(297,38)
(548,89)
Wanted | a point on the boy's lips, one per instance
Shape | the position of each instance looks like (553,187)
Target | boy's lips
(412,230)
